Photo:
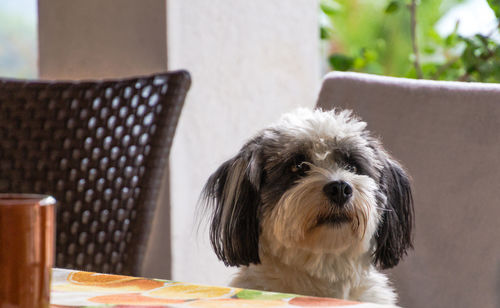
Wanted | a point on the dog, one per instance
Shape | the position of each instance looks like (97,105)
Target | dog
(312,205)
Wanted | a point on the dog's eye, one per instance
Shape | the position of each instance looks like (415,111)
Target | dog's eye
(351,168)
(300,165)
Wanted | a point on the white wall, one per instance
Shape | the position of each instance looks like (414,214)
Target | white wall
(250,61)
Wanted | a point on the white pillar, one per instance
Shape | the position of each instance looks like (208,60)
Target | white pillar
(250,61)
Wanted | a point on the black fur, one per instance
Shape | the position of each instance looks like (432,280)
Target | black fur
(394,235)
(235,237)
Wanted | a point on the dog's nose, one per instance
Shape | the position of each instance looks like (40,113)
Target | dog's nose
(338,192)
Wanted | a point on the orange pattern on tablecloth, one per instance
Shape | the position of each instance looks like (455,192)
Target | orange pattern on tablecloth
(189,291)
(93,281)
(132,298)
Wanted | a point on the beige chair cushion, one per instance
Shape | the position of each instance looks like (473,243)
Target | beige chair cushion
(447,135)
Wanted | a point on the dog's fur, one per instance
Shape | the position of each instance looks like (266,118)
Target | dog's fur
(274,216)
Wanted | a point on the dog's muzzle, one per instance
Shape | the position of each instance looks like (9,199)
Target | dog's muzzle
(338,192)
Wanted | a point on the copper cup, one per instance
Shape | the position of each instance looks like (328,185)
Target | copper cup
(27,228)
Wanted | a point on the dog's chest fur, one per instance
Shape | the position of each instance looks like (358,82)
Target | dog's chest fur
(361,282)
(369,285)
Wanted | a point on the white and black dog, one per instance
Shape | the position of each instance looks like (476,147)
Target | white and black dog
(312,205)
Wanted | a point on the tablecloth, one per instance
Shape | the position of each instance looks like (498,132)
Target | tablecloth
(71,288)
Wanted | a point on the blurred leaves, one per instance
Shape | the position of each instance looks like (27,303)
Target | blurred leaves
(481,59)
(330,7)
(341,62)
(495,6)
(368,37)
(392,7)
(324,33)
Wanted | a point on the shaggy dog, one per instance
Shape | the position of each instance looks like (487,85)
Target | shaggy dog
(312,205)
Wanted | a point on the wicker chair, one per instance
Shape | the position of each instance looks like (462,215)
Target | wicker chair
(100,148)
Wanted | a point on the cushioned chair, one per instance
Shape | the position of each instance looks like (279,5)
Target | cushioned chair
(100,148)
(447,135)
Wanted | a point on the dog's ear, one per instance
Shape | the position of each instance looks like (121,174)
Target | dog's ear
(394,235)
(233,193)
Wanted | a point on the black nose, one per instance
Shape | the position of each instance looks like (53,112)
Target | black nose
(338,192)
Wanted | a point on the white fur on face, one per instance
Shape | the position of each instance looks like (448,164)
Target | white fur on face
(293,222)
(306,123)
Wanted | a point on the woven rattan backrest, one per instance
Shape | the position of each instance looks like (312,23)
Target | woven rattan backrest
(100,148)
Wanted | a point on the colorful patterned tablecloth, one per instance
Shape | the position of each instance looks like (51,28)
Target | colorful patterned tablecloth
(85,289)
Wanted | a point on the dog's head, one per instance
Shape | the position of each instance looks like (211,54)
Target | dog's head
(317,181)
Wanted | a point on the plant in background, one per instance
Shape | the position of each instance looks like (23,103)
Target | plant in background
(399,38)
(18,39)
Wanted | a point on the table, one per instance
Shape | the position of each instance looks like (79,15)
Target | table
(85,289)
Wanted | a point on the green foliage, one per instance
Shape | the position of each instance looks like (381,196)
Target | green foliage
(495,6)
(330,7)
(341,62)
(392,7)
(376,37)
(324,33)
